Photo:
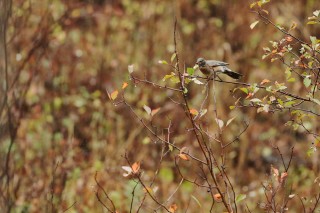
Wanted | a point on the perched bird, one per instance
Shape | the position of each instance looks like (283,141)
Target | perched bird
(209,67)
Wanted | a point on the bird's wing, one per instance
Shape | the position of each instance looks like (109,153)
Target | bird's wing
(214,63)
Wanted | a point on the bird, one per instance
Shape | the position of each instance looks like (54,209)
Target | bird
(209,67)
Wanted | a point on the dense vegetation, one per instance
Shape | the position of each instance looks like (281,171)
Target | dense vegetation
(103,109)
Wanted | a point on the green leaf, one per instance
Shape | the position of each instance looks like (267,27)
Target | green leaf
(255,100)
(313,41)
(190,70)
(289,103)
(291,80)
(203,112)
(173,57)
(170,147)
(168,76)
(245,90)
(240,197)
(162,62)
(175,79)
(185,90)
(307,81)
(197,201)
(232,107)
(253,24)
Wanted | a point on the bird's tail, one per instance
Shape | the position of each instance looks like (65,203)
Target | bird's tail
(231,73)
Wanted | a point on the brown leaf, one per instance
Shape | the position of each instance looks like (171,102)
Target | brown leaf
(124,85)
(183,157)
(155,111)
(249,95)
(135,167)
(283,177)
(264,81)
(194,112)
(217,197)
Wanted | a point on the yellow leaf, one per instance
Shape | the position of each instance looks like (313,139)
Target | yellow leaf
(114,95)
(124,85)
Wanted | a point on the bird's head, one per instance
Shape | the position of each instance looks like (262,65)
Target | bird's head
(201,62)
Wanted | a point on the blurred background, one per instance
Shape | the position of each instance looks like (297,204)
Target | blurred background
(63,57)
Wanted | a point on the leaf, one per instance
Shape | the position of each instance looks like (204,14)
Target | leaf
(253,4)
(245,90)
(315,100)
(173,57)
(155,111)
(293,26)
(291,80)
(313,41)
(289,103)
(312,22)
(253,24)
(190,70)
(220,123)
(128,169)
(197,81)
(255,100)
(175,79)
(203,112)
(173,208)
(292,196)
(230,120)
(114,95)
(168,76)
(183,157)
(124,85)
(283,177)
(232,107)
(316,13)
(147,109)
(197,201)
(307,81)
(217,197)
(135,167)
(240,197)
(249,95)
(130,68)
(264,81)
(162,62)
(194,112)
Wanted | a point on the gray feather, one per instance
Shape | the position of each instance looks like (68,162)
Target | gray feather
(214,63)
